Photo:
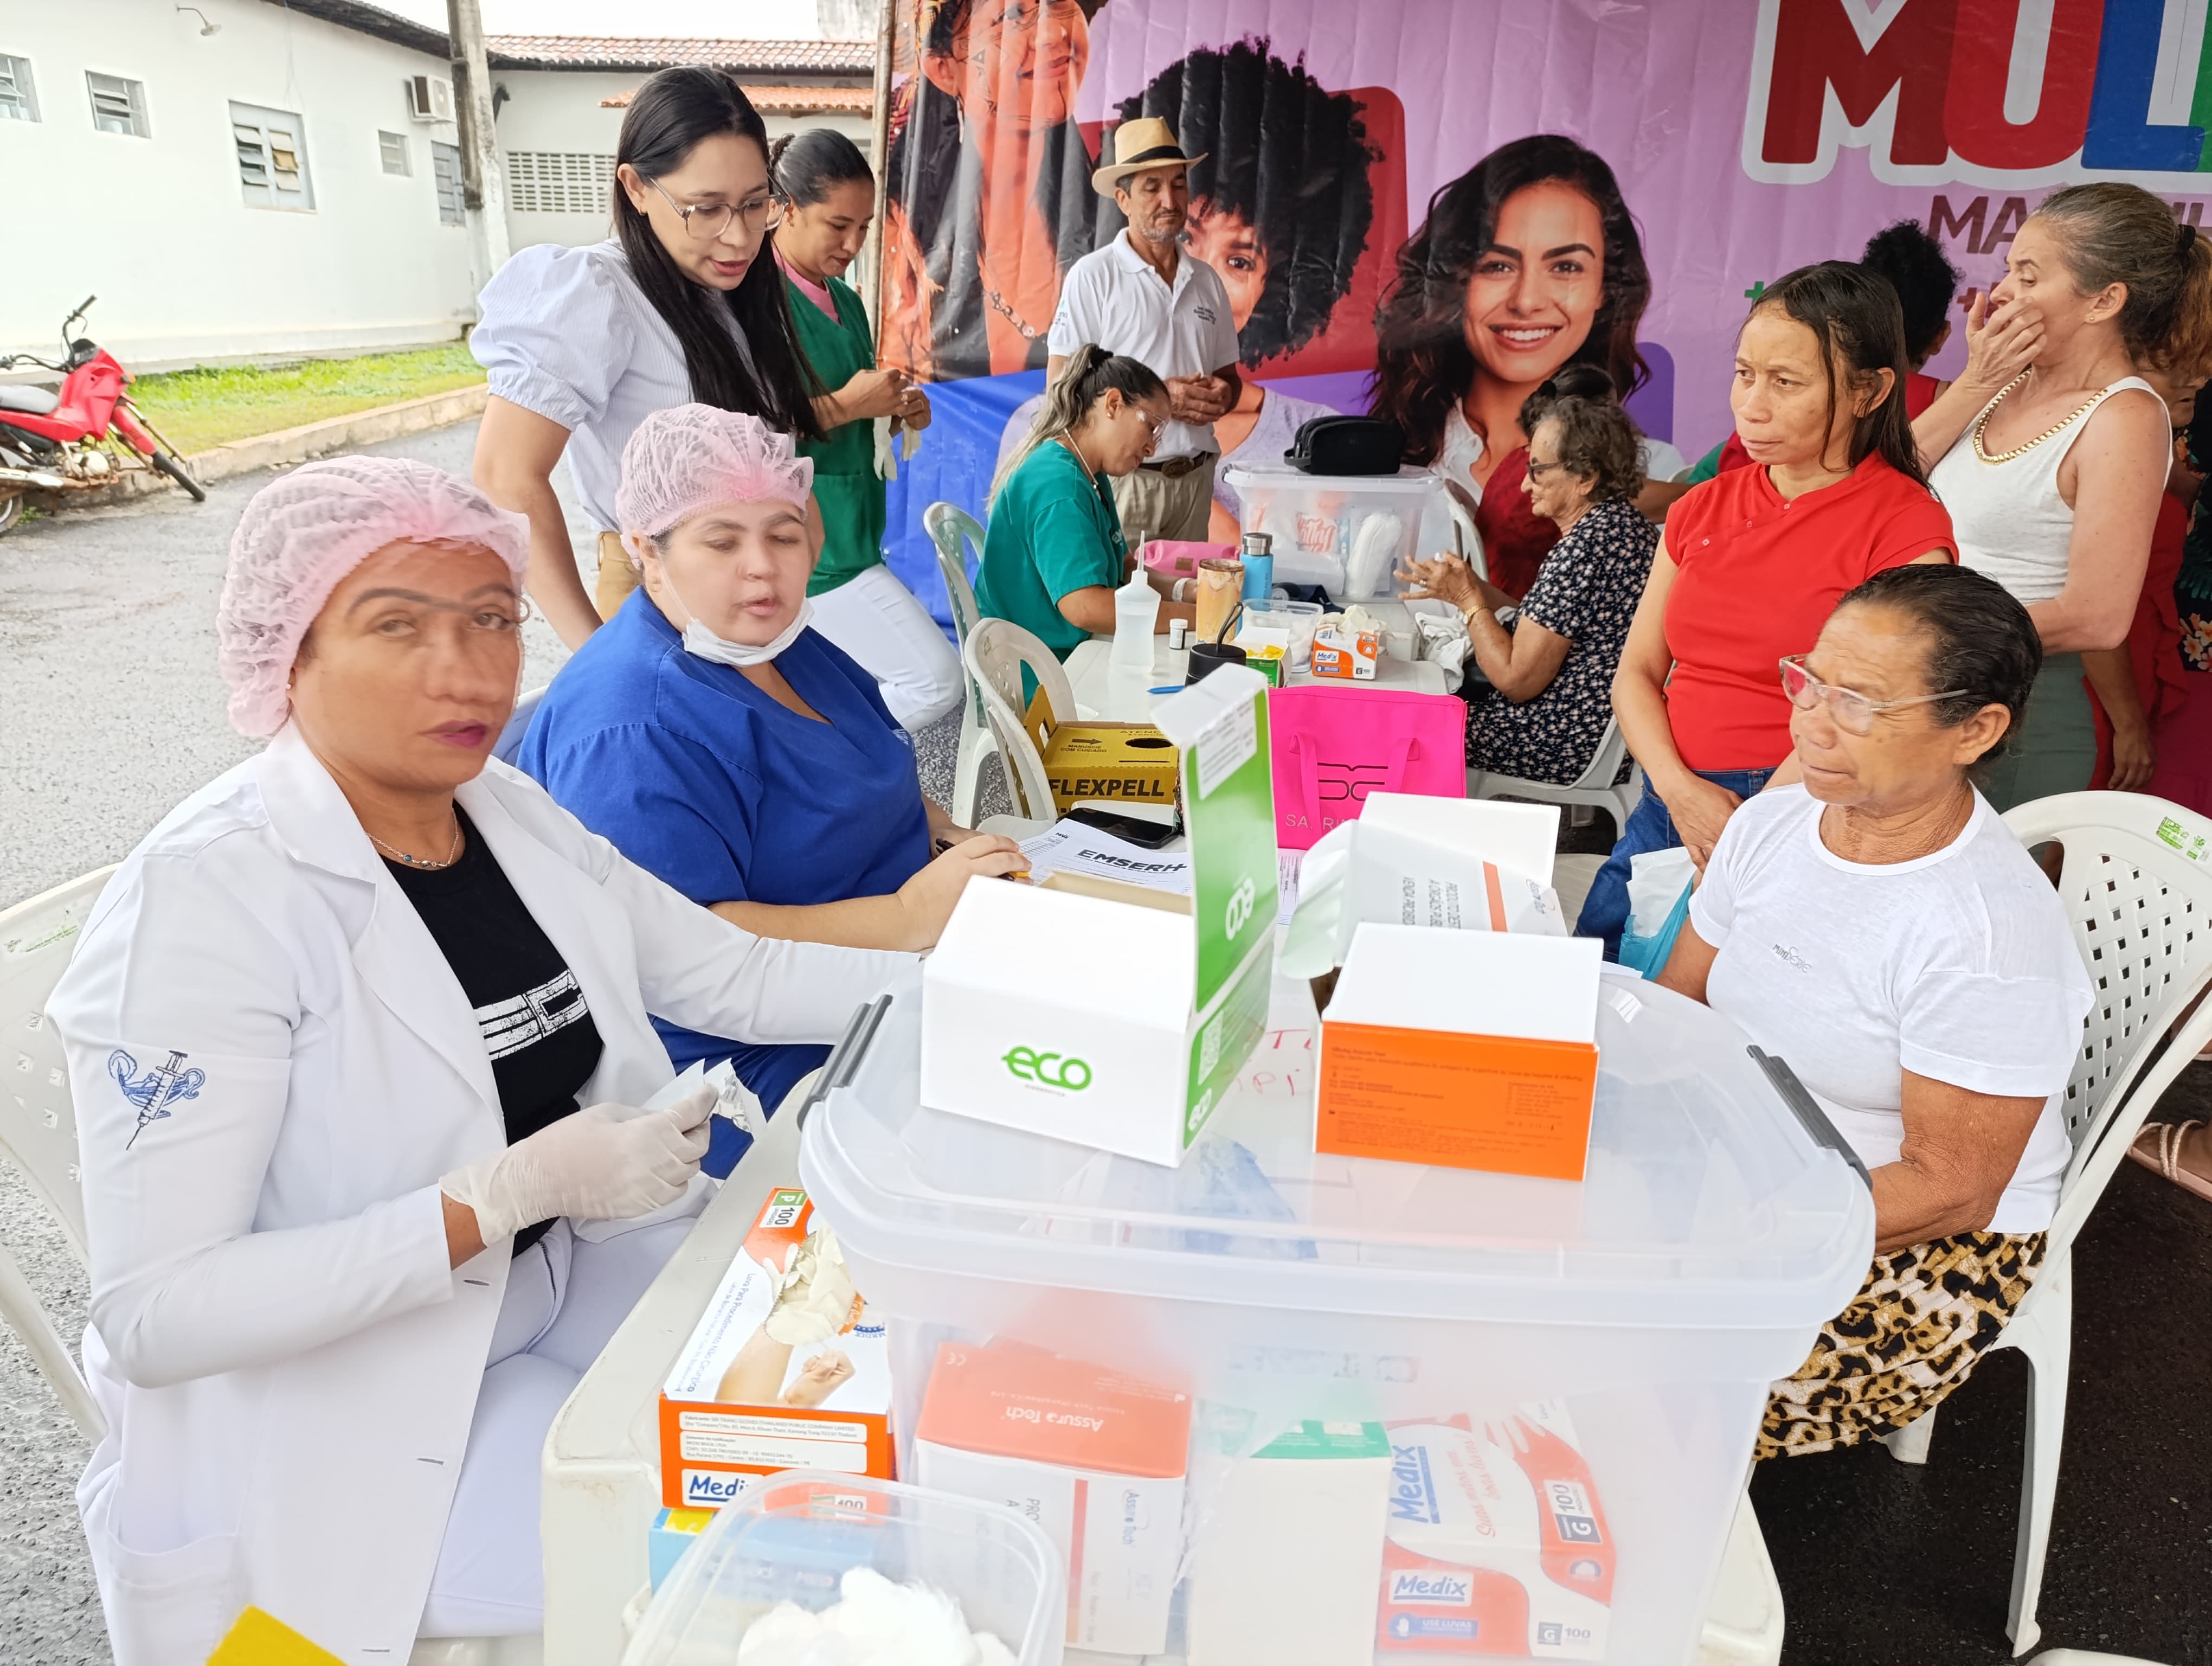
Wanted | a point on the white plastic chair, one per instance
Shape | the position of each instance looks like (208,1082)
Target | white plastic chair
(2137,885)
(38,1130)
(1460,506)
(994,654)
(1595,786)
(517,724)
(37,1126)
(947,526)
(1743,1619)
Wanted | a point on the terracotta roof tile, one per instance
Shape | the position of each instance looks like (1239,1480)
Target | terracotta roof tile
(623,52)
(785,100)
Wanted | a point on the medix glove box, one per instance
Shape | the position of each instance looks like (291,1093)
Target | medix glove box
(785,1370)
(1497,1543)
(1095,1458)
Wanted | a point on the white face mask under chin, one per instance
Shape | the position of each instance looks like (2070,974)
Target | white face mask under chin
(705,644)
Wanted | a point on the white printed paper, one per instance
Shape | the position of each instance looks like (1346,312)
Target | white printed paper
(1224,747)
(1070,847)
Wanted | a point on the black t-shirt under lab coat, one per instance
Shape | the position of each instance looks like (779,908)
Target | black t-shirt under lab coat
(536,1026)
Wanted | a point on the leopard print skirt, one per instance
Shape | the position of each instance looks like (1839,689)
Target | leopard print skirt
(1921,1318)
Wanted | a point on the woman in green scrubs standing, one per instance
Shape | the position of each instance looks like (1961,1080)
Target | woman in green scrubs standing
(828,198)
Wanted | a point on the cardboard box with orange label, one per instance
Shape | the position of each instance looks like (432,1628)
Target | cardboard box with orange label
(1341,652)
(785,1370)
(1469,1049)
(1095,1458)
(1086,761)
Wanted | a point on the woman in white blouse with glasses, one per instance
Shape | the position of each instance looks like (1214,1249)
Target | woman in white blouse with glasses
(683,304)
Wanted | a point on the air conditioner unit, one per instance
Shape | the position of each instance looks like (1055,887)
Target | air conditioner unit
(429,98)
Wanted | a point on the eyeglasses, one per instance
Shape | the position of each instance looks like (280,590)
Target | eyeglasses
(1853,712)
(1538,470)
(1153,429)
(706,221)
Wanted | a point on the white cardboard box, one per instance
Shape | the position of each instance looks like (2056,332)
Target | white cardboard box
(1108,1024)
(1288,1562)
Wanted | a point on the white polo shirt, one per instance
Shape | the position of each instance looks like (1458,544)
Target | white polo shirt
(1112,298)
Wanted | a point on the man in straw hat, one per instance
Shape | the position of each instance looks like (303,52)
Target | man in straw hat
(1144,294)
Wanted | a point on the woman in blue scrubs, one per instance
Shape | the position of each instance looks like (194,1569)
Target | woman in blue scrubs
(720,743)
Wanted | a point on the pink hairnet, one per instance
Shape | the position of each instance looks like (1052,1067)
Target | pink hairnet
(690,458)
(304,532)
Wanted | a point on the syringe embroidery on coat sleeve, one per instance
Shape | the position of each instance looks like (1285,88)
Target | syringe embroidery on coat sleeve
(157,1089)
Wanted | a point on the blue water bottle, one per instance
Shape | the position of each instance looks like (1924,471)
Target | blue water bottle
(1258,556)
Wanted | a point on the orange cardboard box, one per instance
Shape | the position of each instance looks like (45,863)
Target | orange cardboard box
(787,1370)
(1467,1049)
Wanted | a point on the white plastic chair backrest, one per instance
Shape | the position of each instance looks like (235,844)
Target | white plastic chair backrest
(994,655)
(1457,500)
(947,526)
(37,1124)
(517,724)
(1606,763)
(2136,884)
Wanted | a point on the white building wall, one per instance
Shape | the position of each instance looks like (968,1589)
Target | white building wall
(158,227)
(556,112)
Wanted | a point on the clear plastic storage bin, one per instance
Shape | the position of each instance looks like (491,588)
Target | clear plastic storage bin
(791,1538)
(1655,1301)
(1347,533)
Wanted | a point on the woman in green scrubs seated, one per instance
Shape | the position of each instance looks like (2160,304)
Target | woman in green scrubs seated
(1053,554)
(829,195)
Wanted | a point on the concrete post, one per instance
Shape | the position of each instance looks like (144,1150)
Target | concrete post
(483,173)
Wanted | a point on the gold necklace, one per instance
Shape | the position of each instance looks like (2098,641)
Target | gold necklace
(1990,410)
(452,851)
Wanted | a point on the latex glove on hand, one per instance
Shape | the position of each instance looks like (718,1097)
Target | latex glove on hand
(607,1162)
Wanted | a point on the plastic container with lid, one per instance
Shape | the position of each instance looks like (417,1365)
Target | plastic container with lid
(1657,1299)
(1349,533)
(791,1539)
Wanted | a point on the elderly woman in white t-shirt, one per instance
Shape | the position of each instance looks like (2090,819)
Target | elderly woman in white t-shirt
(1880,928)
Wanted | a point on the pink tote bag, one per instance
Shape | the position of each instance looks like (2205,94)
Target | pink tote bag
(1334,746)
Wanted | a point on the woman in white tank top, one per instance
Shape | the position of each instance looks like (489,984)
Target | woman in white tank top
(2052,466)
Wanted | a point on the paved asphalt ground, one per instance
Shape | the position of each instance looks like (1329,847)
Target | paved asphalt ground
(115,712)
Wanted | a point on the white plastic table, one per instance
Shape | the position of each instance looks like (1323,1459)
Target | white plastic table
(601,1467)
(1119,696)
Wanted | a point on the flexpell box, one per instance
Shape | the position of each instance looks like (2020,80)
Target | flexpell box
(1102,1022)
(1471,1049)
(1086,760)
(785,1370)
(1095,1458)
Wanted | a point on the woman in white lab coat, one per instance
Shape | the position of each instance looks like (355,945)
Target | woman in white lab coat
(316,1122)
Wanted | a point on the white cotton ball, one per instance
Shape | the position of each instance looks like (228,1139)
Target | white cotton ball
(989,1652)
(787,1635)
(900,1624)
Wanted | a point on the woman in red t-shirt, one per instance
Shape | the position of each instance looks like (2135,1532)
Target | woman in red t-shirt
(1753,561)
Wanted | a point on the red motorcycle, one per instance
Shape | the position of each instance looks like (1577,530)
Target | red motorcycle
(58,442)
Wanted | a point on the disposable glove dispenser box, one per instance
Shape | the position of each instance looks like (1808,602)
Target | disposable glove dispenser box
(785,1370)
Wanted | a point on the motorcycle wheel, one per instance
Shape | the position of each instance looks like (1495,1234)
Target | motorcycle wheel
(165,458)
(173,466)
(11,510)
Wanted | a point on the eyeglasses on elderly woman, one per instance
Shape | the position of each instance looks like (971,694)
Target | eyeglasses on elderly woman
(1854,713)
